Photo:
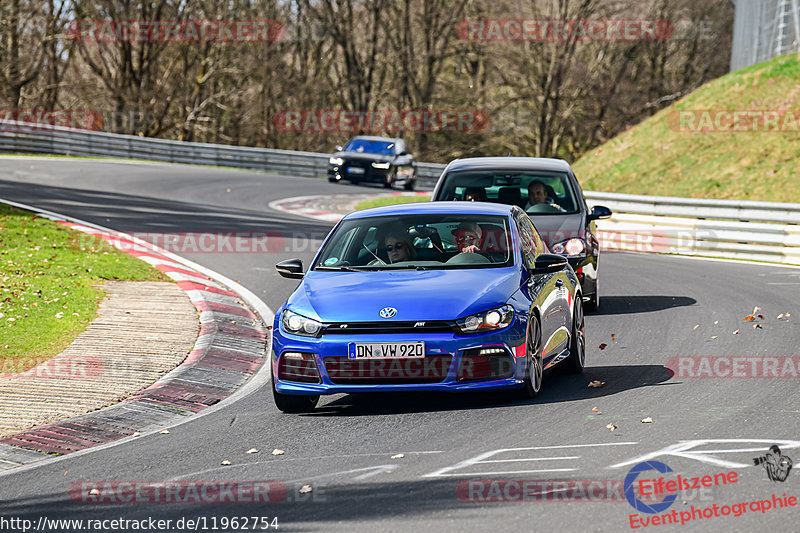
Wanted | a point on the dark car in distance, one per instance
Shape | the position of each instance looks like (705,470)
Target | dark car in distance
(370,159)
(550,194)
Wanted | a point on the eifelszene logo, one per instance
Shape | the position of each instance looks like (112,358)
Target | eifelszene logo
(630,485)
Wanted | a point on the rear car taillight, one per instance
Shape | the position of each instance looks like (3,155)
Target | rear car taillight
(296,366)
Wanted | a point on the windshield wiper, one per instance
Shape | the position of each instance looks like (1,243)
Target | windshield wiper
(339,268)
(406,267)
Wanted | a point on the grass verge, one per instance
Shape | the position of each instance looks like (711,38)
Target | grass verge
(694,149)
(49,277)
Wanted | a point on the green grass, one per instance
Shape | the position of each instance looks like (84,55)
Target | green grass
(391,200)
(657,158)
(49,277)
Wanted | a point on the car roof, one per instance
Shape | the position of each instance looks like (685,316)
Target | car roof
(375,138)
(440,208)
(510,163)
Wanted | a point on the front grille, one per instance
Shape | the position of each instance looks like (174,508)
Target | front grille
(345,328)
(430,369)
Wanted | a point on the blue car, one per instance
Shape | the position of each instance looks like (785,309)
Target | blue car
(439,296)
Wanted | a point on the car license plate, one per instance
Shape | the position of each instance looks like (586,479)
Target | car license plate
(385,350)
(355,170)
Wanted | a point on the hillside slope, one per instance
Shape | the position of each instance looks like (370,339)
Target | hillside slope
(699,148)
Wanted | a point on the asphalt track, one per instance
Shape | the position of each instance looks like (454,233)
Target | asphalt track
(651,305)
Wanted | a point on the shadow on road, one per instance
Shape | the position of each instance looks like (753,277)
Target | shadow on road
(340,507)
(556,389)
(142,214)
(620,305)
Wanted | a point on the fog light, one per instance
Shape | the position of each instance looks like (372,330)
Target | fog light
(479,364)
(295,366)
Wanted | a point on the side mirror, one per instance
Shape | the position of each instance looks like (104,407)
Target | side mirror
(339,148)
(291,268)
(598,212)
(547,263)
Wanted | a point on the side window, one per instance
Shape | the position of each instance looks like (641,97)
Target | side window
(528,237)
(340,248)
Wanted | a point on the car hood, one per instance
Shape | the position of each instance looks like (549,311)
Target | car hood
(557,228)
(363,156)
(417,295)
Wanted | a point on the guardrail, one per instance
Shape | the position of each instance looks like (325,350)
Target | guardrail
(714,228)
(755,231)
(16,137)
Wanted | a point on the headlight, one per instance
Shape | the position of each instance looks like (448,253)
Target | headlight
(336,161)
(384,166)
(569,248)
(300,325)
(488,321)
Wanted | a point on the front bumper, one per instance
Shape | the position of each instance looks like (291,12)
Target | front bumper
(452,363)
(370,174)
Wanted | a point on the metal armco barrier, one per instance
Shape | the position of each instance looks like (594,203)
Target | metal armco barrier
(760,231)
(755,231)
(16,137)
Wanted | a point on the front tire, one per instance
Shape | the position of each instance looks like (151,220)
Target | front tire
(534,368)
(577,349)
(288,403)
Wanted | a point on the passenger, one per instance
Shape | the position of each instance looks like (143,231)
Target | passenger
(475,194)
(468,237)
(399,247)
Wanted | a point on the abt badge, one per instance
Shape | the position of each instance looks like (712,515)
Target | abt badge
(388,312)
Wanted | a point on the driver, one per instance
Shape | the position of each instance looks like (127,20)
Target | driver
(468,236)
(537,194)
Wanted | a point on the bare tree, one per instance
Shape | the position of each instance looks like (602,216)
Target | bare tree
(21,52)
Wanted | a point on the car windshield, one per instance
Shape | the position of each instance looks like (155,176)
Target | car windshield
(370,146)
(418,242)
(538,192)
